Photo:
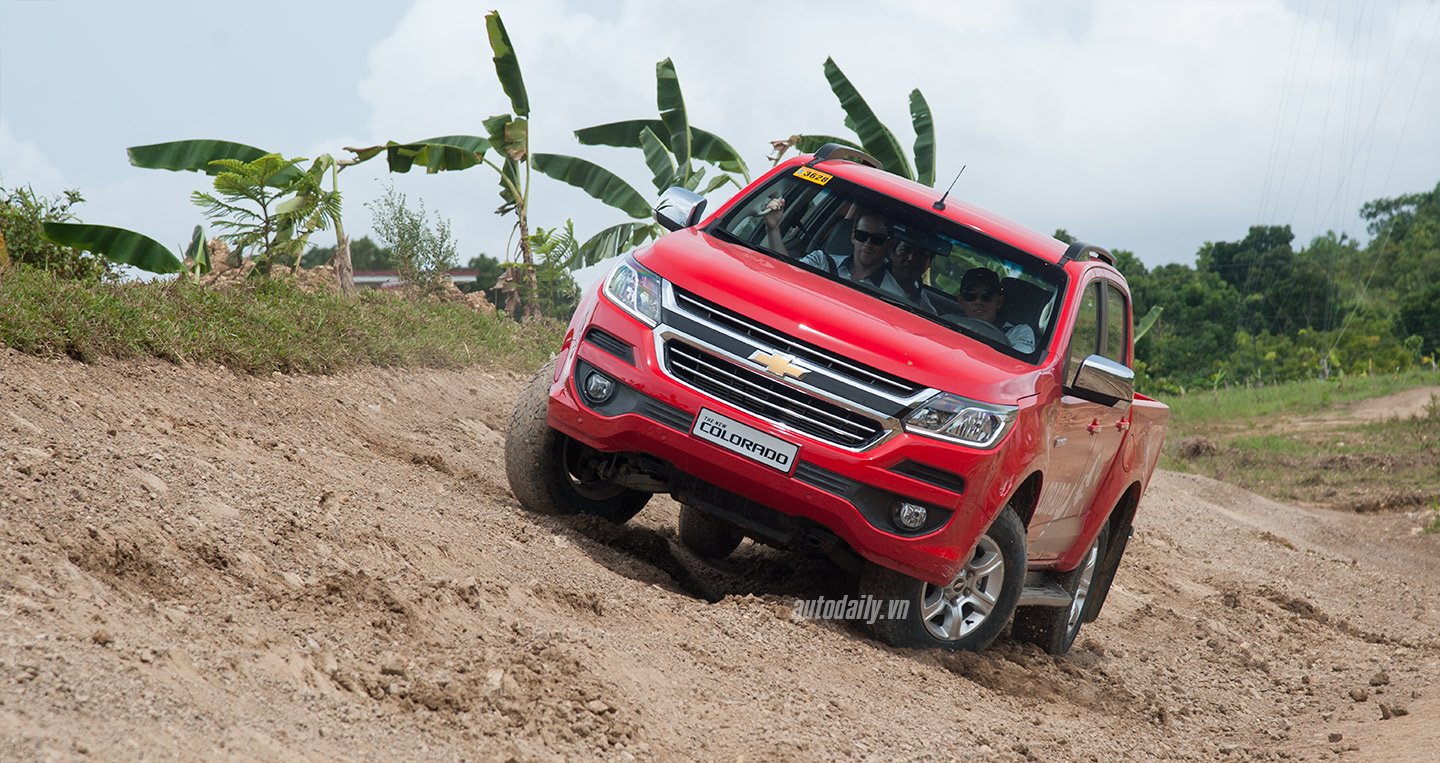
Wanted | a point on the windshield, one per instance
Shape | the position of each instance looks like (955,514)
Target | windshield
(904,255)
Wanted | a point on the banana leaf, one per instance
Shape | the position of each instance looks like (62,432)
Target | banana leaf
(658,160)
(116,244)
(450,152)
(198,252)
(595,180)
(704,146)
(924,138)
(875,137)
(509,186)
(692,181)
(718,181)
(672,113)
(197,155)
(809,144)
(1148,322)
(612,241)
(507,66)
(509,136)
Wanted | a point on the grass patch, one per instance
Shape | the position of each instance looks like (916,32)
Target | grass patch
(1295,443)
(258,327)
(1239,407)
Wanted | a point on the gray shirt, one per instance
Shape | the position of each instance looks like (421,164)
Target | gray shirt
(839,264)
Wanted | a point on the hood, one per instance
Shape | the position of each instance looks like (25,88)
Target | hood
(838,318)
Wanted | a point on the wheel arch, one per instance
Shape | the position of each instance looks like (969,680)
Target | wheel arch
(1027,497)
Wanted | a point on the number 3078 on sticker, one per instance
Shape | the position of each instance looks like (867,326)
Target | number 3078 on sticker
(813,175)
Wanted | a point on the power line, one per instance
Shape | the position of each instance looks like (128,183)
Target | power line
(1394,157)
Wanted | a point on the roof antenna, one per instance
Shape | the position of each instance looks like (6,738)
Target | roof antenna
(940,205)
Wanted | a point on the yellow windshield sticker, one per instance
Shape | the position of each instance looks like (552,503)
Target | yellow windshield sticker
(813,175)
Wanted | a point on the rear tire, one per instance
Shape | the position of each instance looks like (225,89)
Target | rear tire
(551,473)
(1054,628)
(972,610)
(707,536)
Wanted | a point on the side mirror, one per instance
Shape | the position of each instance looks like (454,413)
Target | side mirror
(679,208)
(1102,380)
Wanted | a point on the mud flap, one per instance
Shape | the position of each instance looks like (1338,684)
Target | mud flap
(1106,576)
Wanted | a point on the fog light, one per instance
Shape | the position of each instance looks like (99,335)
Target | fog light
(910,516)
(598,387)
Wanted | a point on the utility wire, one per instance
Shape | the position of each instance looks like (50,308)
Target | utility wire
(1380,250)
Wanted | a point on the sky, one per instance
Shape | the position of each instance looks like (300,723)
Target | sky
(1137,125)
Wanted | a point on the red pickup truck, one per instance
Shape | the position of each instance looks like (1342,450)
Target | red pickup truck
(968,440)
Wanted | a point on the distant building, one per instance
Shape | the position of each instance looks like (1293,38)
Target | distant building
(387,279)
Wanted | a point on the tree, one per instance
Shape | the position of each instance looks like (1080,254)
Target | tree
(423,256)
(875,138)
(211,157)
(1283,292)
(671,146)
(1418,316)
(365,254)
(1405,247)
(1200,322)
(509,136)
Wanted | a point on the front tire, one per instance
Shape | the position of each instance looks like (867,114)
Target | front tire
(968,613)
(551,473)
(707,536)
(1054,628)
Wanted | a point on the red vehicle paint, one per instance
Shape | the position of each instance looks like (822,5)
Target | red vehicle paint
(970,465)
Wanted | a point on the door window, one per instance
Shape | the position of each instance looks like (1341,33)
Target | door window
(1117,325)
(1085,339)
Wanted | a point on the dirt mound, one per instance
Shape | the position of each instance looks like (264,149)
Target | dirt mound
(198,564)
(321,278)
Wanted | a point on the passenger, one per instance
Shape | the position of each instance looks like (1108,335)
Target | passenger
(865,265)
(913,253)
(980,297)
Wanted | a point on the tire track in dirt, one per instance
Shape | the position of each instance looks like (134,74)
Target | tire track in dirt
(204,565)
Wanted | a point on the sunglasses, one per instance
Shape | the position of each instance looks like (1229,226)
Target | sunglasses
(866,237)
(973,295)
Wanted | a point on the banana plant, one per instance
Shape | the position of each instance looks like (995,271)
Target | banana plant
(275,218)
(669,143)
(671,147)
(215,157)
(875,138)
(505,148)
(132,248)
(1148,322)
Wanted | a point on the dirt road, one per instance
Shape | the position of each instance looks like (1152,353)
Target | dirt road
(196,564)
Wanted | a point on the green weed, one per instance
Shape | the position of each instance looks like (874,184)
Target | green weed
(258,327)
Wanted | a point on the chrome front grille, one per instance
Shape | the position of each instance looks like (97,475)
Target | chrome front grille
(768,398)
(857,373)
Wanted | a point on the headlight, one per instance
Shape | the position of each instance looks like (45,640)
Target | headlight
(952,417)
(635,289)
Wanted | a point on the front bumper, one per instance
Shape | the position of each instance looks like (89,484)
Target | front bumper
(846,490)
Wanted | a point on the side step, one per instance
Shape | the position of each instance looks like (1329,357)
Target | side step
(1046,593)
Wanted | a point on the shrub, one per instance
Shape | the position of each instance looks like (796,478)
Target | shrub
(422,256)
(23,214)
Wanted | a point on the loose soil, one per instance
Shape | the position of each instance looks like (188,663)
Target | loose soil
(197,564)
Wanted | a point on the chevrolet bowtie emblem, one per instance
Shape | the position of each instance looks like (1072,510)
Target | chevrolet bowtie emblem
(780,365)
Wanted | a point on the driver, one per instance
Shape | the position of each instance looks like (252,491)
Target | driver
(865,265)
(980,297)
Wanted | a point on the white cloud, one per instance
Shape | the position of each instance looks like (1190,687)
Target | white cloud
(23,163)
(1140,125)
